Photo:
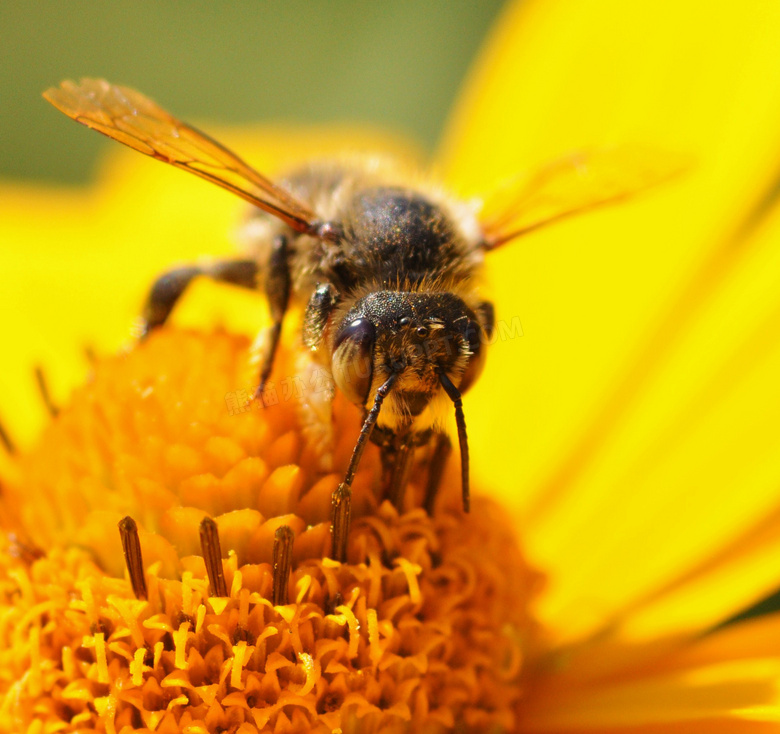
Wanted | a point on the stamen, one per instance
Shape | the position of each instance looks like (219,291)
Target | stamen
(212,556)
(283,547)
(463,441)
(341,504)
(43,388)
(131,546)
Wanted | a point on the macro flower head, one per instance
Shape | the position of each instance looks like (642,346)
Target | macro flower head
(627,430)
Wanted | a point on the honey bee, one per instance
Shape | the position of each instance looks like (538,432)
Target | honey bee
(387,272)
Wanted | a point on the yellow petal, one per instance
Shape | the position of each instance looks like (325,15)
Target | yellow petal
(730,581)
(639,401)
(739,696)
(694,464)
(752,638)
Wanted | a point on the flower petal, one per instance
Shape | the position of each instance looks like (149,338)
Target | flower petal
(643,419)
(694,465)
(738,696)
(746,569)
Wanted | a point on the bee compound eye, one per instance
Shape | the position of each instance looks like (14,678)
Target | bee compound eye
(353,359)
(476,362)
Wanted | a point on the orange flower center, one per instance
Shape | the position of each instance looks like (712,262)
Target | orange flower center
(425,626)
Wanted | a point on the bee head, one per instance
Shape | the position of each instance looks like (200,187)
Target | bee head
(415,337)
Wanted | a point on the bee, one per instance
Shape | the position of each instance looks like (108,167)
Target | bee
(387,272)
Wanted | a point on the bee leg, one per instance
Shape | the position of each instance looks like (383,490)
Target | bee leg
(399,474)
(170,286)
(277,290)
(316,410)
(43,389)
(318,311)
(7,441)
(316,403)
(442,448)
(486,316)
(387,441)
(396,451)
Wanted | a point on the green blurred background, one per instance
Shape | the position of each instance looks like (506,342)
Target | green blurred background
(394,64)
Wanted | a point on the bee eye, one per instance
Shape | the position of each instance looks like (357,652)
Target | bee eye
(476,361)
(353,362)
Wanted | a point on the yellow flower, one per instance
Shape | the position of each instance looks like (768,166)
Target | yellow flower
(632,429)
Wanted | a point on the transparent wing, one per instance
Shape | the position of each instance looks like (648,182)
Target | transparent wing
(574,184)
(133,119)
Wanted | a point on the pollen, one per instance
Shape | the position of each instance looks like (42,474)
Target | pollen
(170,567)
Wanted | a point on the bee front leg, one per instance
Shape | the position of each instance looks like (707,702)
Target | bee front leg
(170,286)
(486,315)
(396,452)
(398,460)
(316,403)
(316,410)
(277,289)
(321,304)
(442,448)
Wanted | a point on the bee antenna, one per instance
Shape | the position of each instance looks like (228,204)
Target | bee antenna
(342,495)
(368,426)
(460,419)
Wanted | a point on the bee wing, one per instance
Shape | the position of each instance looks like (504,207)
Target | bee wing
(135,120)
(577,183)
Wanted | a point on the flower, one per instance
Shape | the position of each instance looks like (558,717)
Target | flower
(425,624)
(636,436)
